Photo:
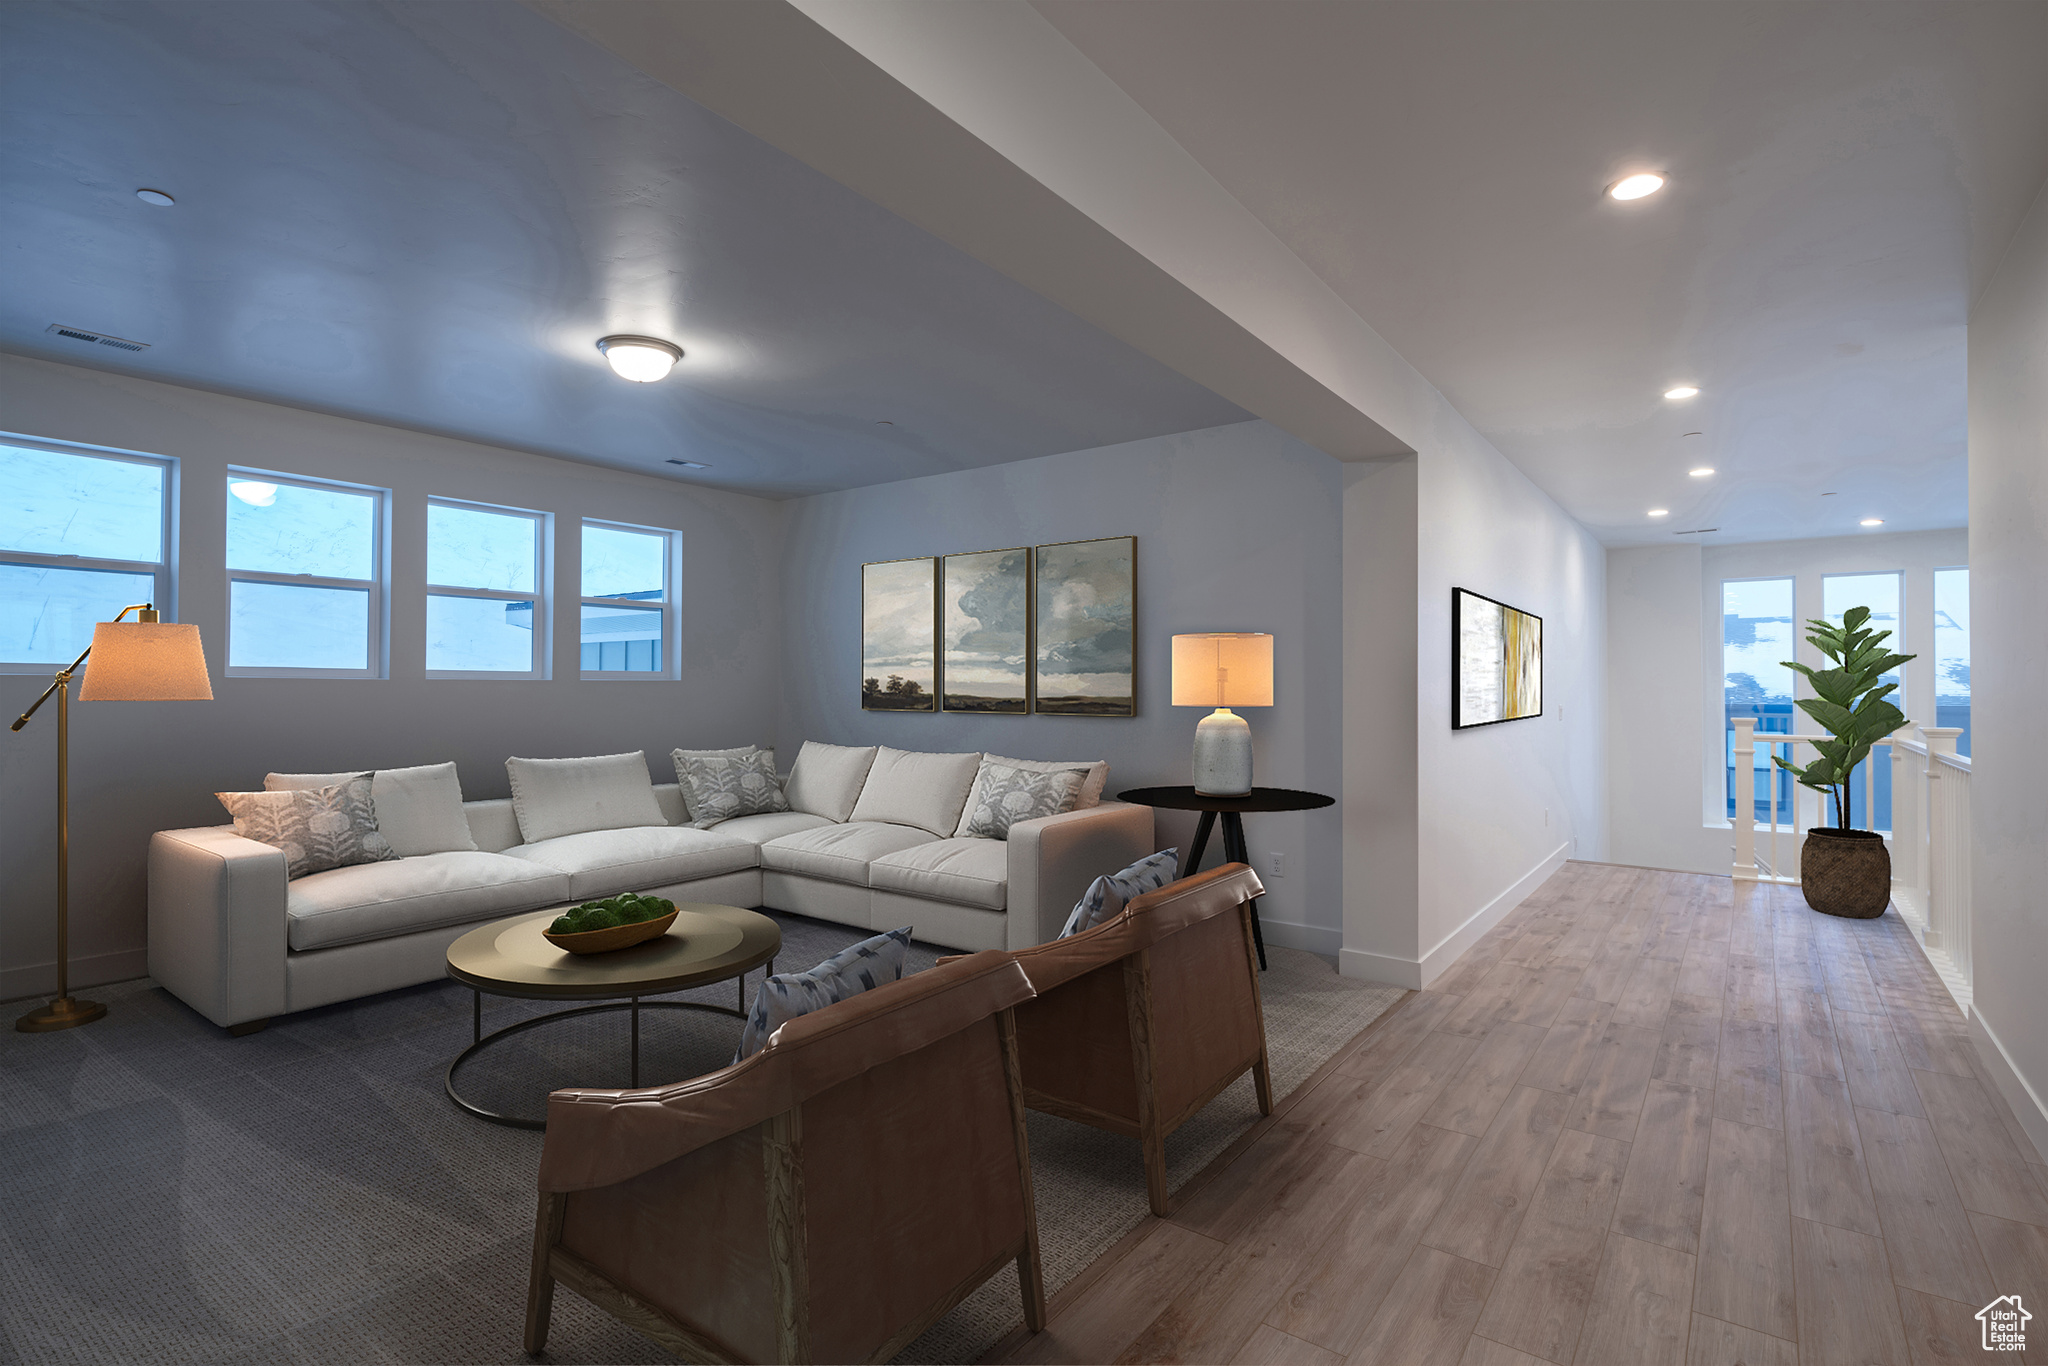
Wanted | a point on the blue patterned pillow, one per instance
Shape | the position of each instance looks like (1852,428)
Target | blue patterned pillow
(846,973)
(1106,897)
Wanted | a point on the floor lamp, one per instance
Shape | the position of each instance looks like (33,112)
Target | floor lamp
(144,660)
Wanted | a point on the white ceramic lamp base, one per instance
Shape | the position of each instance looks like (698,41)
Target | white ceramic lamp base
(1223,755)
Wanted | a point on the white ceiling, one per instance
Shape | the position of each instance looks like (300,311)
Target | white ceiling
(1843,179)
(426,214)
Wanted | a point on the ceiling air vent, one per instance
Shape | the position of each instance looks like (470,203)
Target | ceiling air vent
(1696,531)
(96,338)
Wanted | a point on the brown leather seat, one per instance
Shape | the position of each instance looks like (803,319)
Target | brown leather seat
(824,1200)
(1141,1021)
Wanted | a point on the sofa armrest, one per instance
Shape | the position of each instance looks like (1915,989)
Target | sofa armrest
(1054,858)
(217,923)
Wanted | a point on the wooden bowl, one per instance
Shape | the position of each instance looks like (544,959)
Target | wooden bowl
(617,937)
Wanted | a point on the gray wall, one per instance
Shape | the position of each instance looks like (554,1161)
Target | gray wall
(2008,663)
(1239,529)
(139,767)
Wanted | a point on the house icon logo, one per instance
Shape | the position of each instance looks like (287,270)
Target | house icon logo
(2005,1324)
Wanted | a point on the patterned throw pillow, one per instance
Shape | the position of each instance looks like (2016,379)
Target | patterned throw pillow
(317,827)
(1106,897)
(1006,795)
(846,973)
(717,787)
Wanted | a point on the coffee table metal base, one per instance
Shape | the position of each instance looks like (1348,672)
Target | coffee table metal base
(634,1005)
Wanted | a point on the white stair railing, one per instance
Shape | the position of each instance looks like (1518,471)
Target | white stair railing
(1929,838)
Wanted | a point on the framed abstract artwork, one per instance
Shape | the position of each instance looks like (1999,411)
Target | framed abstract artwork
(1496,661)
(985,632)
(899,635)
(1086,640)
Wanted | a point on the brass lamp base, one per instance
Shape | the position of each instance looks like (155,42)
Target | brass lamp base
(66,1012)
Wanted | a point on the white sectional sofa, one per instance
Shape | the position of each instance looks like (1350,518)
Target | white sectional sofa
(871,843)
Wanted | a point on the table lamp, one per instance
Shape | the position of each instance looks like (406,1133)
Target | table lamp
(144,660)
(1223,670)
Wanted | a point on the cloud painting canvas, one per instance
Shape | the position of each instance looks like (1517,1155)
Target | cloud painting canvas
(1496,661)
(899,635)
(984,631)
(1086,641)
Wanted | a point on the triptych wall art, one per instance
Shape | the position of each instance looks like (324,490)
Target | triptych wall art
(1496,661)
(1047,629)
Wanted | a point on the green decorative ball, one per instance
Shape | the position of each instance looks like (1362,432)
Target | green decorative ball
(600,918)
(568,923)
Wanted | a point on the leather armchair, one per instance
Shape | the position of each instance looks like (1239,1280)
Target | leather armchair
(826,1199)
(1140,1022)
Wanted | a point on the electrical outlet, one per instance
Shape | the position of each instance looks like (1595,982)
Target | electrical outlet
(1279,861)
(1546,818)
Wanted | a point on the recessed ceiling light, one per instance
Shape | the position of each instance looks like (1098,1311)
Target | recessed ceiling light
(1702,472)
(253,492)
(1660,512)
(1873,521)
(691,464)
(883,422)
(1692,433)
(156,197)
(1682,391)
(1635,186)
(640,359)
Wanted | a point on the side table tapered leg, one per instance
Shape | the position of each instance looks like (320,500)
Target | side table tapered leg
(1234,852)
(1192,864)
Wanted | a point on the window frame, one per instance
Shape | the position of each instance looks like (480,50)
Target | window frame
(671,644)
(1899,625)
(540,597)
(377,646)
(1719,811)
(163,572)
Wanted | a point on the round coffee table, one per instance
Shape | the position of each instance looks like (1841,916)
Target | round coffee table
(706,944)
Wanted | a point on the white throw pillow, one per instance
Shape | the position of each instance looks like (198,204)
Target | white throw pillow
(825,780)
(845,974)
(419,810)
(556,797)
(926,791)
(1106,897)
(1090,794)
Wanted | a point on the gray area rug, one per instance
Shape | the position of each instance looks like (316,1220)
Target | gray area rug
(308,1194)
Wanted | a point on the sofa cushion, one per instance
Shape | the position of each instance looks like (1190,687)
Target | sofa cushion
(825,780)
(772,825)
(969,872)
(556,797)
(1107,896)
(925,790)
(603,862)
(1004,795)
(839,853)
(719,787)
(846,974)
(419,809)
(379,900)
(1089,795)
(317,827)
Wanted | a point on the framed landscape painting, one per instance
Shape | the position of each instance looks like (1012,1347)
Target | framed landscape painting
(1086,593)
(1496,661)
(984,632)
(899,635)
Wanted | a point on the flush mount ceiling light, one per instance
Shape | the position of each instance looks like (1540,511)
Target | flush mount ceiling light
(1873,521)
(640,359)
(1660,512)
(253,492)
(156,197)
(1702,472)
(691,464)
(1635,186)
(1682,391)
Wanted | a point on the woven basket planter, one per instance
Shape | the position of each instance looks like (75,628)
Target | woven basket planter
(1846,873)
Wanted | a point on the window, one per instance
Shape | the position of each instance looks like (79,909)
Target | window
(1952,652)
(486,596)
(628,626)
(1757,636)
(83,533)
(1881,594)
(305,578)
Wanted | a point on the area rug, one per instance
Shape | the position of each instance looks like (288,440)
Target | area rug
(308,1194)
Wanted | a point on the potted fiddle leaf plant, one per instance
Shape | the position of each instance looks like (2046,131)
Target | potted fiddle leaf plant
(1842,870)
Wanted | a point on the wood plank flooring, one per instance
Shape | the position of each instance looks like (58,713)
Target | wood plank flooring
(1650,1118)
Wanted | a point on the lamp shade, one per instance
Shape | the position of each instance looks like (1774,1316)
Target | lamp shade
(1223,669)
(134,661)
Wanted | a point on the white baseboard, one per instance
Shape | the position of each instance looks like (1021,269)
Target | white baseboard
(1309,938)
(1406,972)
(2025,1101)
(40,979)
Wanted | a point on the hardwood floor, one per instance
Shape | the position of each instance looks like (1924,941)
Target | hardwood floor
(1650,1118)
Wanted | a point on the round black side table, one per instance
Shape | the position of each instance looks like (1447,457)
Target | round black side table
(1232,810)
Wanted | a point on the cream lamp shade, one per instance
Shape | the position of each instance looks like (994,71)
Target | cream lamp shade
(135,661)
(1223,669)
